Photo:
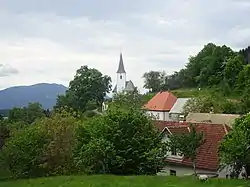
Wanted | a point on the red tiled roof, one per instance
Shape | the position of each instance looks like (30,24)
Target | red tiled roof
(207,156)
(162,101)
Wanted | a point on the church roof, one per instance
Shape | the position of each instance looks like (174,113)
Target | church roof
(128,87)
(121,65)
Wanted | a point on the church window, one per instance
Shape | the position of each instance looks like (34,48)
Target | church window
(120,76)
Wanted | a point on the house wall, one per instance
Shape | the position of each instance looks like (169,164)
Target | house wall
(176,116)
(184,171)
(159,115)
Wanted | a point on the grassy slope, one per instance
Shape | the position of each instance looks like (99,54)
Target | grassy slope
(120,181)
(194,92)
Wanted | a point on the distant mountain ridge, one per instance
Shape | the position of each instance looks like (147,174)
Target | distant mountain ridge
(19,96)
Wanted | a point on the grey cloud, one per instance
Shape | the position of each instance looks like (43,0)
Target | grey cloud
(95,9)
(6,70)
(158,33)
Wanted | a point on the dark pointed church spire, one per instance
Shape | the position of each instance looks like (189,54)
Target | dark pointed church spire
(121,66)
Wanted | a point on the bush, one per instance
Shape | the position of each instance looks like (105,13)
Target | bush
(120,142)
(23,153)
(45,148)
(4,133)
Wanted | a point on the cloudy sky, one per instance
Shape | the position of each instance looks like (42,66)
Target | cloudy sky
(48,40)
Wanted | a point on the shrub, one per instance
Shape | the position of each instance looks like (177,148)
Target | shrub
(22,154)
(44,148)
(120,142)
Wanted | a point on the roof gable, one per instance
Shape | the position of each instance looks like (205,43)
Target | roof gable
(162,101)
(207,154)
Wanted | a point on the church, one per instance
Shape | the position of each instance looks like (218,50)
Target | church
(122,85)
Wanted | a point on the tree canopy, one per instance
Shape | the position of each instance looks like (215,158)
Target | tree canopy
(26,114)
(86,91)
(120,142)
(235,148)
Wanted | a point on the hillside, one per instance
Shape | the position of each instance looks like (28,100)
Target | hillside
(122,181)
(20,96)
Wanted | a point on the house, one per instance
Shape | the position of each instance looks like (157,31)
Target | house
(176,112)
(227,119)
(160,105)
(207,160)
(122,84)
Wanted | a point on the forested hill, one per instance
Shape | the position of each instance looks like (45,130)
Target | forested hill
(20,96)
(213,67)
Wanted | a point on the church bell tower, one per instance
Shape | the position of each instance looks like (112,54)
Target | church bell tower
(121,76)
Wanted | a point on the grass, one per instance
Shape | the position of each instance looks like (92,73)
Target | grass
(123,181)
(194,92)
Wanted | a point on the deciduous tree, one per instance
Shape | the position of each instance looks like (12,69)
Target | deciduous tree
(26,114)
(154,80)
(88,87)
(234,150)
(122,141)
(187,144)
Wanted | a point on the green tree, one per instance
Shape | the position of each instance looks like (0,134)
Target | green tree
(243,81)
(234,150)
(4,133)
(154,81)
(233,67)
(26,114)
(187,144)
(41,149)
(212,102)
(122,141)
(22,153)
(206,68)
(127,100)
(88,87)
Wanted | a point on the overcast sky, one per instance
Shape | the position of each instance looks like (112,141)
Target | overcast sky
(48,40)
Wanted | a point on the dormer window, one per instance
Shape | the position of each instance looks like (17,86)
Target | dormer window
(120,76)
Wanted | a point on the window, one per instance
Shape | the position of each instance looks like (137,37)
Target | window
(173,152)
(120,76)
(172,172)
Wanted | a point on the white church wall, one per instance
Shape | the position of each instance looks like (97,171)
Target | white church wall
(121,81)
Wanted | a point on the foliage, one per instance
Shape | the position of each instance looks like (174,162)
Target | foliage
(212,102)
(246,54)
(27,114)
(86,91)
(4,112)
(122,181)
(122,141)
(213,67)
(22,154)
(235,148)
(154,80)
(234,66)
(187,144)
(245,101)
(243,81)
(45,148)
(4,132)
(127,100)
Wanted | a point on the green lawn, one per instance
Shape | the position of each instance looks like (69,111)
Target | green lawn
(122,181)
(194,92)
